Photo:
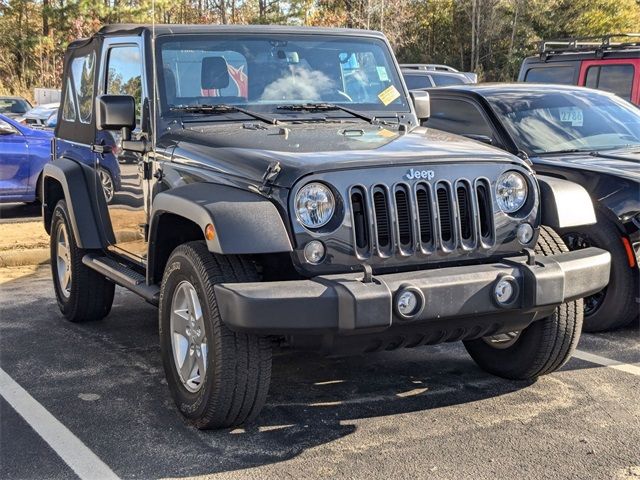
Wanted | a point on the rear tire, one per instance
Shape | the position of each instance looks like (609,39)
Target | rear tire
(613,307)
(82,293)
(541,348)
(237,366)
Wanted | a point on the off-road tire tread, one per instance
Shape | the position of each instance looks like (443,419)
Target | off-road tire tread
(242,366)
(92,294)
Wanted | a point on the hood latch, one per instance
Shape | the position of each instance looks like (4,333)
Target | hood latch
(269,177)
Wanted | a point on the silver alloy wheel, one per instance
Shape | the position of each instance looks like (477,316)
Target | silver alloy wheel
(188,336)
(107,184)
(63,261)
(502,340)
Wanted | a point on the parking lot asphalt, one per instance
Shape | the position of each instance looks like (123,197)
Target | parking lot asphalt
(421,413)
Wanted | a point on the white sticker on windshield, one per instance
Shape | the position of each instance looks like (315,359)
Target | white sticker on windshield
(382,74)
(571,115)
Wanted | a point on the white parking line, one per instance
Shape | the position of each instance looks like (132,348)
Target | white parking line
(69,448)
(607,362)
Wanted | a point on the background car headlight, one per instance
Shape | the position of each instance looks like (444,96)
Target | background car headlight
(511,191)
(314,205)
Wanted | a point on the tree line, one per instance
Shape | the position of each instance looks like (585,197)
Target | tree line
(490,37)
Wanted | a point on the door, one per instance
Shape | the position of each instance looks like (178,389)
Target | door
(120,173)
(620,76)
(14,161)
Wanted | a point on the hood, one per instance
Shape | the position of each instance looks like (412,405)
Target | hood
(42,111)
(619,162)
(248,149)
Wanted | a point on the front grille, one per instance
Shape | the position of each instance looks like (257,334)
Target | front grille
(406,219)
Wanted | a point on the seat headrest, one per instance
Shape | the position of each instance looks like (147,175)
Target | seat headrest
(215,73)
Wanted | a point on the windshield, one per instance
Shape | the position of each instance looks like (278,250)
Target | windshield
(260,73)
(13,105)
(548,122)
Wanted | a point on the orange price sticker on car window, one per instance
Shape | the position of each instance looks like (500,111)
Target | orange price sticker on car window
(388,95)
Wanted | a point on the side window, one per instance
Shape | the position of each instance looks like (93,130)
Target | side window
(6,127)
(417,81)
(124,74)
(83,73)
(459,117)
(616,79)
(562,75)
(69,107)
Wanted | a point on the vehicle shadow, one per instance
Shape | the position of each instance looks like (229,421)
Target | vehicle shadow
(135,427)
(315,400)
(14,211)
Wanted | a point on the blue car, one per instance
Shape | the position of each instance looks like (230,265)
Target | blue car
(23,154)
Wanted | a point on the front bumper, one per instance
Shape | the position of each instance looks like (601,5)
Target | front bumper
(344,305)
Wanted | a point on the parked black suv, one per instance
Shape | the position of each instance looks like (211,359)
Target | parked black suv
(288,196)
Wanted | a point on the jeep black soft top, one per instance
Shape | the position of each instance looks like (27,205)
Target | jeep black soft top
(285,194)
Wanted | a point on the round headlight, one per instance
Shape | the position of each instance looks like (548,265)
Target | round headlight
(314,205)
(511,191)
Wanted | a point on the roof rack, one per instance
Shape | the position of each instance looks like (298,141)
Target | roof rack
(428,66)
(598,44)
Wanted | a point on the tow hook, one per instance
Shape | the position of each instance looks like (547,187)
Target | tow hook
(368,273)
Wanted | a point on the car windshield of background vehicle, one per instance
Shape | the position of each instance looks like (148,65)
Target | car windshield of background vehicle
(12,105)
(548,122)
(261,73)
(560,75)
(444,80)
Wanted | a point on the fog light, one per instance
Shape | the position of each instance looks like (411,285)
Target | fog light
(409,302)
(314,252)
(505,291)
(524,233)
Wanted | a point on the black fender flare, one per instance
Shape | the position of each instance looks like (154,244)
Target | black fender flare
(244,222)
(564,203)
(78,187)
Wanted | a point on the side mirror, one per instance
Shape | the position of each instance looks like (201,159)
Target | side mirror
(6,129)
(421,104)
(116,112)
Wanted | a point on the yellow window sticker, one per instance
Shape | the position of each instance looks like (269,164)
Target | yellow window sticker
(388,95)
(386,133)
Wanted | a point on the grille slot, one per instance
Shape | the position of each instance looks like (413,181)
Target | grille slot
(424,214)
(360,224)
(485,210)
(444,209)
(382,218)
(404,216)
(402,219)
(464,212)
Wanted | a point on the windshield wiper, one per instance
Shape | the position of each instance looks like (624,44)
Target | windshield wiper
(327,107)
(222,108)
(568,150)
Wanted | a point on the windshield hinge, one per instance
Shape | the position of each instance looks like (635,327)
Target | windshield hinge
(273,170)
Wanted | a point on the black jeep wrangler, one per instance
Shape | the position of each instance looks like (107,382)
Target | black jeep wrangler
(285,195)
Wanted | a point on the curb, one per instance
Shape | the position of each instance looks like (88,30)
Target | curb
(21,258)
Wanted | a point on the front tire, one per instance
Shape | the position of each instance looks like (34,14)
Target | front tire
(218,378)
(541,348)
(82,293)
(613,307)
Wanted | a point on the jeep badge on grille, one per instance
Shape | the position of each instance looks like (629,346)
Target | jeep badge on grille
(419,174)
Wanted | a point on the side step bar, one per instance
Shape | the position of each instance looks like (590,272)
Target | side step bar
(124,276)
